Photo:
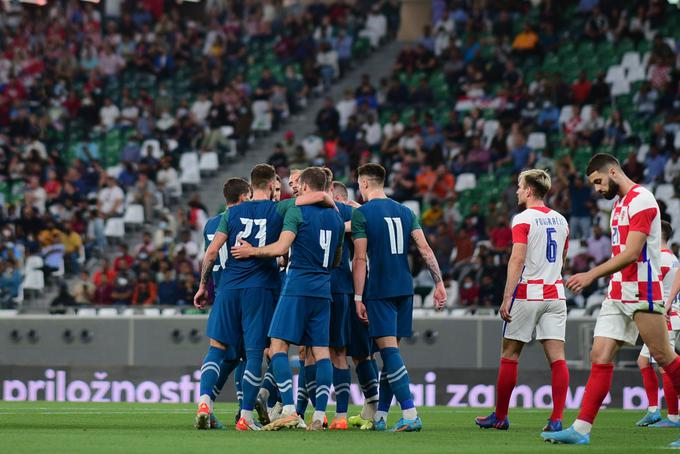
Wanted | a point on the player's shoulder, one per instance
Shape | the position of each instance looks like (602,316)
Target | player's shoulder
(212,223)
(667,256)
(640,198)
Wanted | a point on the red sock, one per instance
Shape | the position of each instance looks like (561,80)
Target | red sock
(599,383)
(651,383)
(507,379)
(673,372)
(670,395)
(560,385)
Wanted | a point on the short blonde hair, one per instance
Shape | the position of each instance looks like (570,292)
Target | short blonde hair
(538,180)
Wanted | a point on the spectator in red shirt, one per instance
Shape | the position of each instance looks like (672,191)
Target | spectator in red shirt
(581,89)
(106,271)
(102,294)
(123,257)
(469,293)
(501,235)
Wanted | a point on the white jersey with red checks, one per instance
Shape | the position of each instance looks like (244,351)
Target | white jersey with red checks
(639,282)
(669,266)
(546,234)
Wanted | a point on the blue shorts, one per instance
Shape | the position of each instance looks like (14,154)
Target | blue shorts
(339,330)
(302,320)
(360,344)
(390,316)
(241,318)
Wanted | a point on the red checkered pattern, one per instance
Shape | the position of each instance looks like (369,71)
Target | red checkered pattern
(546,234)
(669,266)
(641,280)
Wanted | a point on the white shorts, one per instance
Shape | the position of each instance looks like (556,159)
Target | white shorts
(672,336)
(616,320)
(548,317)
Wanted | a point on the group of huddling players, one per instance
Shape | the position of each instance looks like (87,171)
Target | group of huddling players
(281,275)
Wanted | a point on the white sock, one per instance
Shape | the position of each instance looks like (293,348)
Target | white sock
(652,409)
(205,399)
(410,413)
(288,410)
(340,415)
(673,418)
(318,416)
(264,394)
(380,415)
(582,427)
(368,411)
(248,415)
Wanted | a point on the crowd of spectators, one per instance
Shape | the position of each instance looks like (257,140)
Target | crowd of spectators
(465,99)
(96,113)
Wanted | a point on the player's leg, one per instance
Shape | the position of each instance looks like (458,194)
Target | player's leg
(505,383)
(210,372)
(226,368)
(310,375)
(365,366)
(238,384)
(651,385)
(302,395)
(342,377)
(267,390)
(550,331)
(670,395)
(317,325)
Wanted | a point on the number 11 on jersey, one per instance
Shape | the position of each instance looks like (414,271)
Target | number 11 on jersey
(396,233)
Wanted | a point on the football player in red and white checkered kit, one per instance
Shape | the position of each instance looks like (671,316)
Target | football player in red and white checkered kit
(634,300)
(669,267)
(534,298)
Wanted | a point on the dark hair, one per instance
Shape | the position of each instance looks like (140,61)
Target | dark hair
(234,188)
(601,160)
(329,178)
(372,171)
(315,177)
(666,230)
(340,189)
(262,175)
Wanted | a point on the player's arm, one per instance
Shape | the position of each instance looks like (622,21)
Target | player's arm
(359,262)
(431,263)
(221,237)
(675,289)
(634,244)
(312,198)
(515,266)
(291,221)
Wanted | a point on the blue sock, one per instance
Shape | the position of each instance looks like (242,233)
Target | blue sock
(252,378)
(302,396)
(385,394)
(226,368)
(324,379)
(238,382)
(397,375)
(368,380)
(210,370)
(342,378)
(284,378)
(270,385)
(310,383)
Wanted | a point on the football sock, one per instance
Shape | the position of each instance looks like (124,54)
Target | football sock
(397,375)
(597,387)
(252,378)
(651,383)
(505,383)
(226,368)
(673,372)
(302,396)
(310,382)
(670,395)
(269,389)
(342,378)
(385,396)
(324,379)
(284,378)
(238,381)
(210,371)
(560,385)
(368,380)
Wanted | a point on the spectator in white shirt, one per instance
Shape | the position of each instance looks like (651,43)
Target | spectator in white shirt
(394,127)
(346,107)
(376,27)
(130,113)
(372,131)
(672,170)
(110,198)
(167,180)
(200,108)
(108,114)
(36,195)
(327,61)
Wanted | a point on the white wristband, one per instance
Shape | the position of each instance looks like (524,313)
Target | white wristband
(358,298)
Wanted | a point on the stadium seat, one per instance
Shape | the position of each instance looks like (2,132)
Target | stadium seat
(665,192)
(209,162)
(620,87)
(262,117)
(631,60)
(414,206)
(460,312)
(190,175)
(155,145)
(134,214)
(108,312)
(114,228)
(537,141)
(421,313)
(151,311)
(170,312)
(489,131)
(586,111)
(128,312)
(486,312)
(676,140)
(642,152)
(465,181)
(615,73)
(34,278)
(565,114)
(188,159)
(114,171)
(86,312)
(635,74)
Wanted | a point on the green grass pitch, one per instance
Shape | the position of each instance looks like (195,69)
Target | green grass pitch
(57,427)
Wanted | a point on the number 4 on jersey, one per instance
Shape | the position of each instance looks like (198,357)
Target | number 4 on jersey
(396,234)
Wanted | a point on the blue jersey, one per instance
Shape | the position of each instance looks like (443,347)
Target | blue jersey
(259,223)
(341,277)
(319,233)
(387,225)
(208,234)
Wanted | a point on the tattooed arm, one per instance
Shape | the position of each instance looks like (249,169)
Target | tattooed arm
(431,263)
(201,297)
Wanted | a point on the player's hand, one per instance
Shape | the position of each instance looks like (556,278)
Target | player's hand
(361,312)
(505,311)
(578,282)
(201,298)
(353,204)
(242,250)
(439,296)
